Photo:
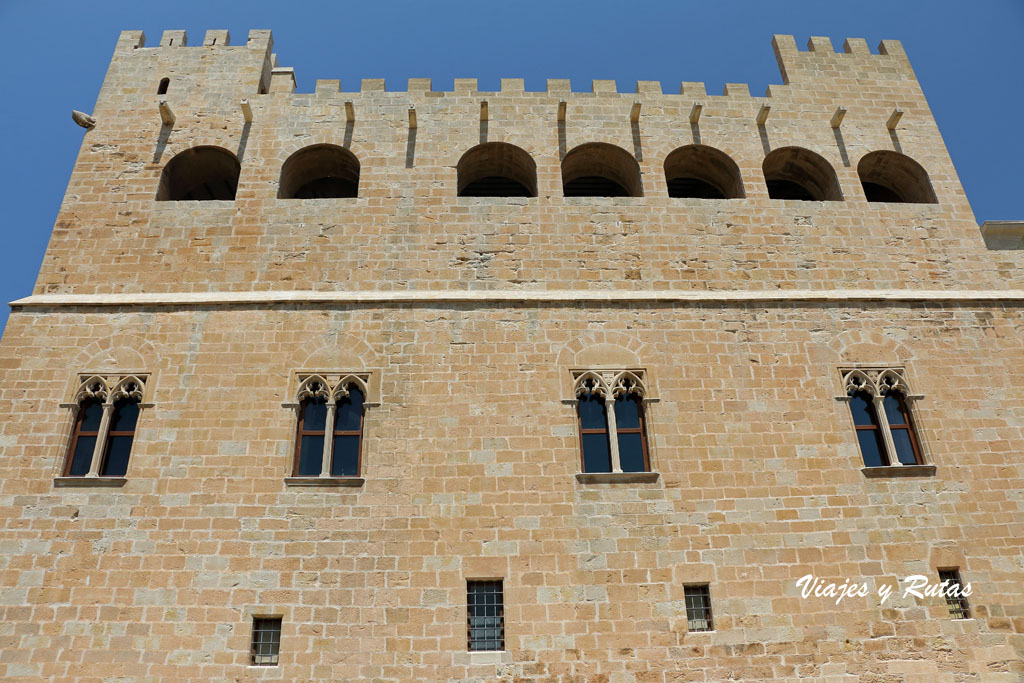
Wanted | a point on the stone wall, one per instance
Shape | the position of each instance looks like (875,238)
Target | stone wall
(471,450)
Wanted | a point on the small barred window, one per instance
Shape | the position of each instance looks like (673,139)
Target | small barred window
(956,599)
(266,641)
(698,608)
(486,615)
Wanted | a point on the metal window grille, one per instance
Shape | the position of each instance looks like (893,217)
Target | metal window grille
(958,607)
(698,608)
(266,641)
(486,615)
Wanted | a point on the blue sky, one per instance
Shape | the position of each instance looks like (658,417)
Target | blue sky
(966,55)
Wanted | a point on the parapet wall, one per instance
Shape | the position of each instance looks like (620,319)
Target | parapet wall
(409,229)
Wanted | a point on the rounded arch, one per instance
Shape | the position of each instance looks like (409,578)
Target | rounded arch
(893,177)
(497,169)
(200,173)
(319,171)
(118,353)
(798,173)
(868,346)
(599,169)
(702,172)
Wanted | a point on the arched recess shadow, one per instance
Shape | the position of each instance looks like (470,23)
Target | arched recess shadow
(319,171)
(497,169)
(702,172)
(600,169)
(798,173)
(893,177)
(202,173)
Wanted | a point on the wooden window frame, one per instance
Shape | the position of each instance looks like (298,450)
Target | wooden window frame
(331,387)
(642,429)
(605,381)
(581,432)
(77,433)
(108,390)
(907,426)
(878,383)
(300,432)
(875,426)
(109,437)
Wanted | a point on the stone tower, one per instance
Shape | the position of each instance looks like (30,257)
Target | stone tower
(418,385)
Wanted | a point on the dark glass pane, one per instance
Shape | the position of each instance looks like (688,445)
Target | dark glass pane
(349,411)
(311,456)
(126,413)
(893,410)
(345,458)
(787,189)
(328,188)
(627,413)
(593,186)
(495,186)
(81,459)
(116,462)
(596,456)
(693,187)
(314,419)
(631,453)
(871,447)
(92,416)
(904,449)
(592,412)
(862,409)
(879,193)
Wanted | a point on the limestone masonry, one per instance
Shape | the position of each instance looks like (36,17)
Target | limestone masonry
(608,373)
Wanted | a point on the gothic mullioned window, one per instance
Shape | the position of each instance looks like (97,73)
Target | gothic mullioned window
(328,442)
(610,412)
(881,416)
(107,411)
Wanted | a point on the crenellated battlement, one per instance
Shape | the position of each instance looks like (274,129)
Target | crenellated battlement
(819,62)
(134,40)
(215,140)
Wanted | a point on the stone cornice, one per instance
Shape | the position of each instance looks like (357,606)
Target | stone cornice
(188,299)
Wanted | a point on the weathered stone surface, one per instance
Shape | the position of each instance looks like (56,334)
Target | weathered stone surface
(471,446)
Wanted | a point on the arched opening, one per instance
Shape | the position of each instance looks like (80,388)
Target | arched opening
(320,172)
(893,177)
(162,88)
(198,174)
(597,169)
(702,172)
(798,173)
(497,169)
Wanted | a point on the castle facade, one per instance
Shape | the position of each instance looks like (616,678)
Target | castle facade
(527,386)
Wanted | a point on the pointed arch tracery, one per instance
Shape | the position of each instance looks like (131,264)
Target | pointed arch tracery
(106,414)
(331,408)
(610,417)
(878,400)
